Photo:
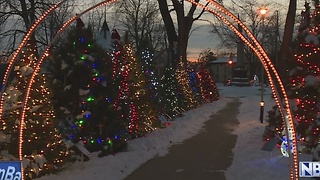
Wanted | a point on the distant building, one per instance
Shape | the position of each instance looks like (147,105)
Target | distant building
(222,68)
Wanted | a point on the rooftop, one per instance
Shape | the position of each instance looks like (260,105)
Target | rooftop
(223,60)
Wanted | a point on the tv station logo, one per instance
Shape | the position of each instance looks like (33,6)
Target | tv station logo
(309,169)
(10,170)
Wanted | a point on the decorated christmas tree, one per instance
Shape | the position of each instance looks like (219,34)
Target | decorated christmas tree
(148,69)
(140,95)
(82,77)
(170,97)
(125,109)
(305,79)
(208,88)
(195,84)
(275,127)
(43,148)
(304,83)
(185,89)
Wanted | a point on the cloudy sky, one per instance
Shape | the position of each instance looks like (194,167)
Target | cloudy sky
(201,39)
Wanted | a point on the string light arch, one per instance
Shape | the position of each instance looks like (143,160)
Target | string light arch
(256,47)
(285,109)
(21,45)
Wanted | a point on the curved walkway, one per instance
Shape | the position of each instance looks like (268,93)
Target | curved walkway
(202,157)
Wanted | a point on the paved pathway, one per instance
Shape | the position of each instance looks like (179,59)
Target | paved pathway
(201,157)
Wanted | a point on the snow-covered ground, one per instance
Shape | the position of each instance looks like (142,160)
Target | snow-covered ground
(249,161)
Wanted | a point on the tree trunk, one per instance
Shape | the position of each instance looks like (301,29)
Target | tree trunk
(284,53)
(178,43)
(171,32)
(29,18)
(184,30)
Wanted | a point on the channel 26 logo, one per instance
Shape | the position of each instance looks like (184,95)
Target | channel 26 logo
(309,169)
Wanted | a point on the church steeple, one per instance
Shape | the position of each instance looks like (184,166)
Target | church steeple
(105,29)
(104,37)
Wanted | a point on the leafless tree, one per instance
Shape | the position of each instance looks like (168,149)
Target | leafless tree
(265,29)
(142,21)
(284,53)
(207,55)
(17,16)
(178,34)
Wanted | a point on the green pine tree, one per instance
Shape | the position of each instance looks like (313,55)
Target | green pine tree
(43,148)
(84,93)
(209,91)
(303,83)
(140,95)
(170,98)
(183,77)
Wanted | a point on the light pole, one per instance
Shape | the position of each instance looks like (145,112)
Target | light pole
(230,63)
(262,11)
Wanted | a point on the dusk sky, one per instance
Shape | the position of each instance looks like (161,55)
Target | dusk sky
(201,39)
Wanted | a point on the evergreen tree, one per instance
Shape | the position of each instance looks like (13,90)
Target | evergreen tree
(44,151)
(148,69)
(209,91)
(195,84)
(84,92)
(185,89)
(140,95)
(304,79)
(125,110)
(275,125)
(303,87)
(170,98)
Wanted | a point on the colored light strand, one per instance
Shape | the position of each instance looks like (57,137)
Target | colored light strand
(261,57)
(21,45)
(37,69)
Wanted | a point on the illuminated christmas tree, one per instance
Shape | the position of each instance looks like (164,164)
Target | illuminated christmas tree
(140,96)
(148,70)
(125,110)
(195,85)
(208,88)
(304,83)
(82,77)
(185,89)
(275,125)
(44,151)
(170,98)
